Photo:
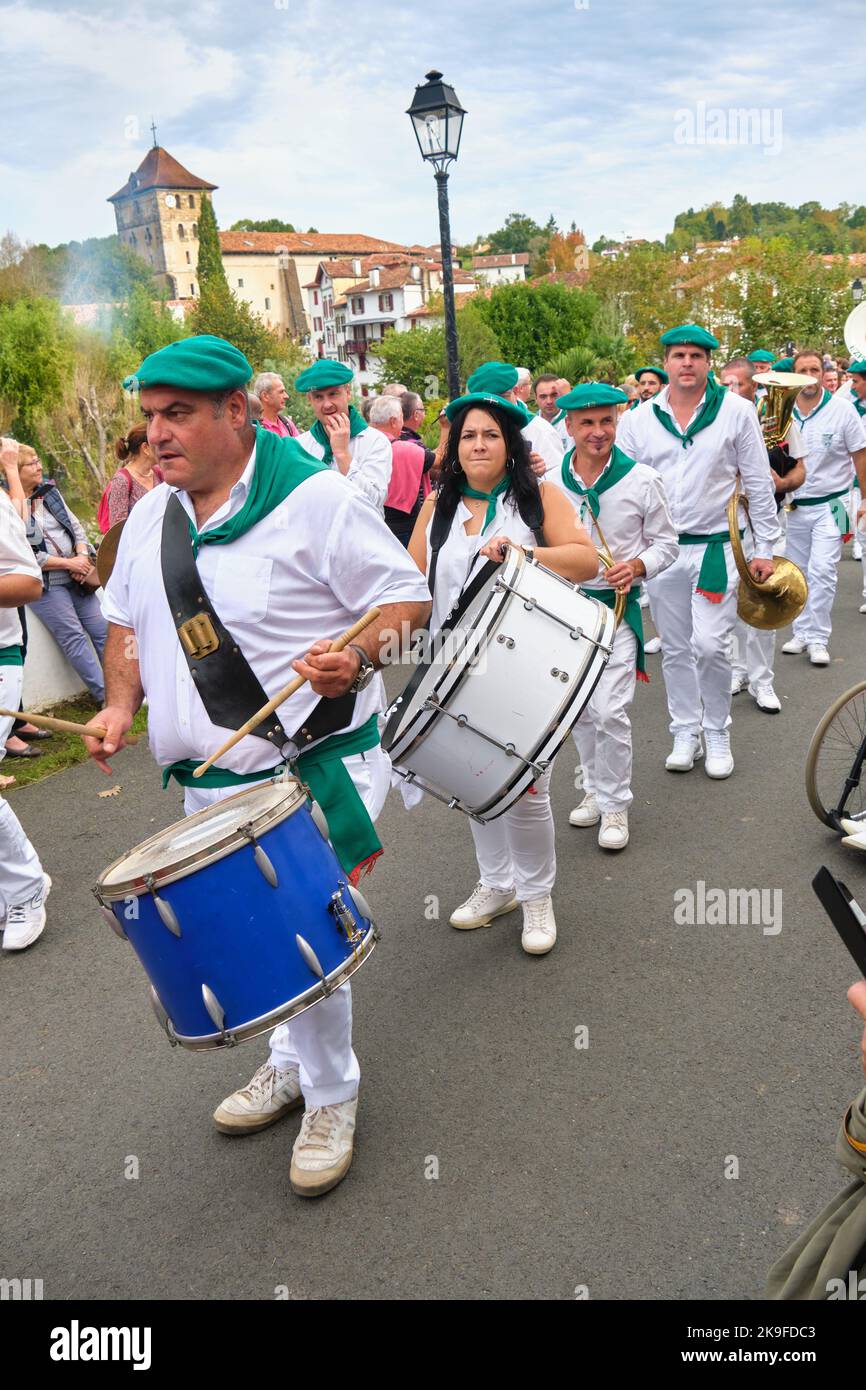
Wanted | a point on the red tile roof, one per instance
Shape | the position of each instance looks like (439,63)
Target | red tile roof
(159,169)
(304,243)
(491,262)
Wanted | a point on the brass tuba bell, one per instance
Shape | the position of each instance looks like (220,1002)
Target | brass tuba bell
(776,601)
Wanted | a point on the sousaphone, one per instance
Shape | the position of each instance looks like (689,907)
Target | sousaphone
(771,603)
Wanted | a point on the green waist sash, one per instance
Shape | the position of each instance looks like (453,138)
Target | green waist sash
(353,835)
(837,508)
(632,615)
(713,576)
(11,656)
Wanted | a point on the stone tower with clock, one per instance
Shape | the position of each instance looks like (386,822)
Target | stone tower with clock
(157,214)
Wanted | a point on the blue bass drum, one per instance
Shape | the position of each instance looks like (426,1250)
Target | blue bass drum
(240,914)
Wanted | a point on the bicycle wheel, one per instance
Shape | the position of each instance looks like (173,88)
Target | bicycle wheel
(837,752)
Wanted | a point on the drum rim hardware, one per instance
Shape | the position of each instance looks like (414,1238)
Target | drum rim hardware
(200,858)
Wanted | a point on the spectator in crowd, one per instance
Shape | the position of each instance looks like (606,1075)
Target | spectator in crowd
(632,390)
(410,482)
(68,607)
(269,388)
(17,743)
(523,389)
(138,474)
(547,393)
(562,386)
(366,403)
(413,421)
(830,380)
(255,407)
(394,388)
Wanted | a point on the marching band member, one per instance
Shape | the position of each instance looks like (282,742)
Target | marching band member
(700,437)
(625,502)
(500,379)
(287,555)
(24,885)
(834,437)
(489,498)
(547,390)
(650,381)
(857,373)
(341,437)
(753,650)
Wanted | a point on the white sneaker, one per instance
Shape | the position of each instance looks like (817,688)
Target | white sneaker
(614,830)
(739,681)
(539,927)
(818,654)
(652,646)
(644,599)
(765,698)
(856,551)
(323,1150)
(794,646)
(587,813)
(863,607)
(685,753)
(25,922)
(480,908)
(720,762)
(270,1095)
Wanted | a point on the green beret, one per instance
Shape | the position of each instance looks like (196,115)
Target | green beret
(760,355)
(493,376)
(484,399)
(689,333)
(658,371)
(322,374)
(202,363)
(784,364)
(859,366)
(591,394)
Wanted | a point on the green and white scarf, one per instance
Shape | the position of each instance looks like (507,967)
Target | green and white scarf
(801,419)
(715,395)
(616,469)
(491,498)
(357,424)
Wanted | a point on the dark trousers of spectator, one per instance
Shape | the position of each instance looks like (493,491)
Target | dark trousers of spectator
(400,524)
(71,616)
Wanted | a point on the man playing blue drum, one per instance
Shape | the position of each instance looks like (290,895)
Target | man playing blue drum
(286,554)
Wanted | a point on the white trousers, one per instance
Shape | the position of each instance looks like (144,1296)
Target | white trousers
(319,1041)
(518,850)
(815,544)
(603,732)
(20,870)
(696,637)
(753,653)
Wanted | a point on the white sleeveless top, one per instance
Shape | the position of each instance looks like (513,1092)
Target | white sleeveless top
(459,551)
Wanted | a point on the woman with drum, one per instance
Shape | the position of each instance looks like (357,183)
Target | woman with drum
(489,499)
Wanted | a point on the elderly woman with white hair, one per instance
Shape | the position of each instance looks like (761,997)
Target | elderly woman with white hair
(272,394)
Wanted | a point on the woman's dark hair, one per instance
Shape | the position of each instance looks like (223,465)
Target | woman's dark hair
(130,444)
(522,482)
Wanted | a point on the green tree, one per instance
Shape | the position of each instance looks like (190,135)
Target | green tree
(217,311)
(210,261)
(534,322)
(417,358)
(145,324)
(515,235)
(36,359)
(270,224)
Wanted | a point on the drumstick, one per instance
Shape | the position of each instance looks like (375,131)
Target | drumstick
(61,726)
(283,695)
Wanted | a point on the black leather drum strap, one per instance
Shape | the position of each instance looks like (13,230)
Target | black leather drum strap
(229,688)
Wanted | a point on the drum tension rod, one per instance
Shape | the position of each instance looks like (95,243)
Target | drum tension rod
(167,914)
(263,863)
(532,603)
(452,802)
(463,723)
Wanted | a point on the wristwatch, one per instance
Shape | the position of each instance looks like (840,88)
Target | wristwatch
(529,552)
(366,670)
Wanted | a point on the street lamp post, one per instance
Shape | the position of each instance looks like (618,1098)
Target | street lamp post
(437,119)
(857,291)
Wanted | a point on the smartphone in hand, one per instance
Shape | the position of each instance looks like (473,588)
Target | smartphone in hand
(844,912)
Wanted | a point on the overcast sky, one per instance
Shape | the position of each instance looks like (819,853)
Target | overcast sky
(295,108)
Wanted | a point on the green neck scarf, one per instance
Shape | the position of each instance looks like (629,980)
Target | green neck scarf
(859,406)
(281,464)
(491,498)
(617,468)
(715,394)
(558,418)
(357,423)
(801,419)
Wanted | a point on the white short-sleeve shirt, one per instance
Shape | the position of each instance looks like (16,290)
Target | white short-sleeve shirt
(16,557)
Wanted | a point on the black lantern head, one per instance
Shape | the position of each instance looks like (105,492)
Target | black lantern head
(437,119)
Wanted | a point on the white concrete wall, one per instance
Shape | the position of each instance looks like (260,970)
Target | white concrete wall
(48,677)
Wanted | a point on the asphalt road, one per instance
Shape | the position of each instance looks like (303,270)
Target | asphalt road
(711,1049)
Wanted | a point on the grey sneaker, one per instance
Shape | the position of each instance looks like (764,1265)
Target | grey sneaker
(269,1096)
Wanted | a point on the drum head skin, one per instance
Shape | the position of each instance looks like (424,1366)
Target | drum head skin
(481,720)
(188,845)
